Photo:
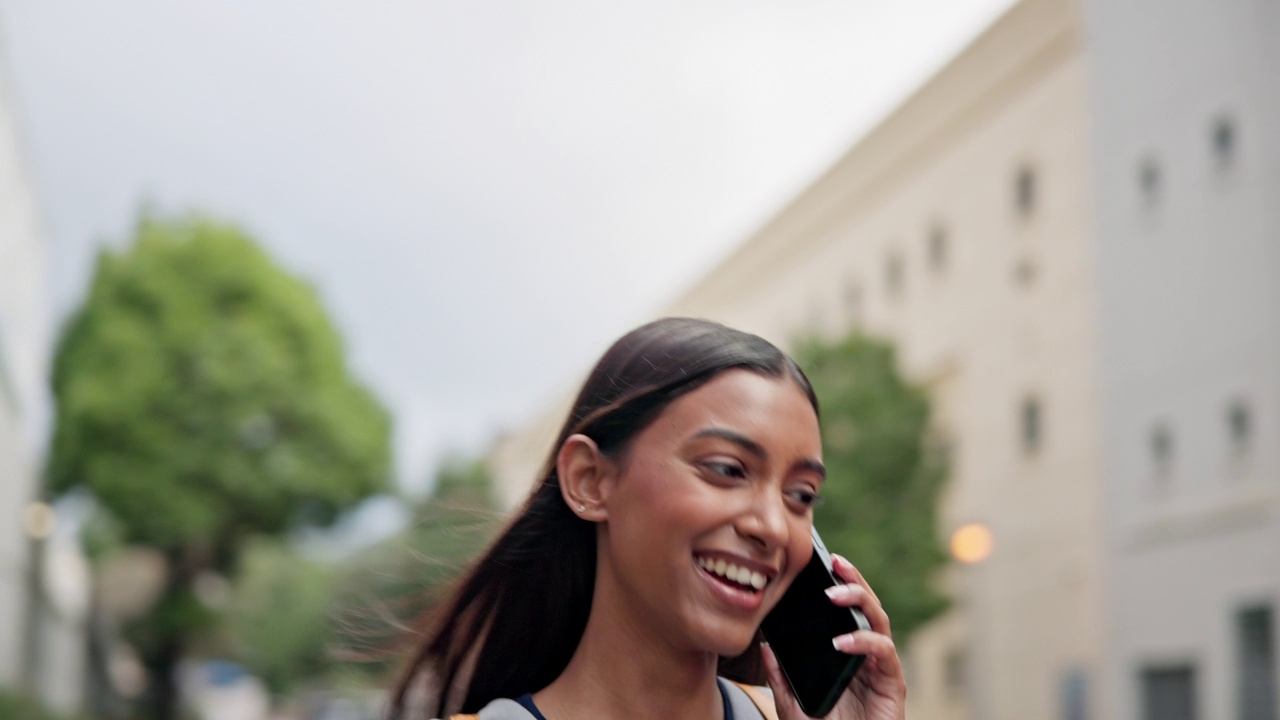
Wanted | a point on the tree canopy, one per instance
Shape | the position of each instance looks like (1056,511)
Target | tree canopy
(202,396)
(202,392)
(881,498)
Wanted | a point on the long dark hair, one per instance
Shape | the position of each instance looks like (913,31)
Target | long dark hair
(514,620)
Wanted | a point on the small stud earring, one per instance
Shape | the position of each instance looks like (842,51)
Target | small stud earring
(582,508)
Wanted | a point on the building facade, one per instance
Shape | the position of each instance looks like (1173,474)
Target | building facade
(1185,119)
(23,339)
(1072,235)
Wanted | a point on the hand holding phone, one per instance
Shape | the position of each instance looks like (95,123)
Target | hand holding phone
(800,628)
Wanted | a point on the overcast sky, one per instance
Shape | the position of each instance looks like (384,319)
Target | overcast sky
(485,193)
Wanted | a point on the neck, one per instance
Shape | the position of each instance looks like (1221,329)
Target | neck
(622,669)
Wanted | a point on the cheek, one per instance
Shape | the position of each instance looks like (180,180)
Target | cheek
(800,548)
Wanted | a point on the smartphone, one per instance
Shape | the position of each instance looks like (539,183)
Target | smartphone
(800,629)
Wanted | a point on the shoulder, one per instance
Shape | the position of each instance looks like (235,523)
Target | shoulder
(501,709)
(749,701)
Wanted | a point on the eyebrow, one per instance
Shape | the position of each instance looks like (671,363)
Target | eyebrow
(757,449)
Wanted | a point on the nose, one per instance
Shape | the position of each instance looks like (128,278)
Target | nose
(764,521)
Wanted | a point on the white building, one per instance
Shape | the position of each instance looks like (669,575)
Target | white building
(1185,120)
(1072,234)
(40,645)
(23,340)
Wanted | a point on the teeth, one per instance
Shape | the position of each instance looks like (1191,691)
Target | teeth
(729,571)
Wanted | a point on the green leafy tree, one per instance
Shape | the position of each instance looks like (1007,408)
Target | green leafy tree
(881,500)
(202,397)
(279,619)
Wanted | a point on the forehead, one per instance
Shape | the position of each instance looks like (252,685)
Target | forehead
(769,410)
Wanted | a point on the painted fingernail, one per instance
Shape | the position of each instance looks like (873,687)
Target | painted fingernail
(844,643)
(836,592)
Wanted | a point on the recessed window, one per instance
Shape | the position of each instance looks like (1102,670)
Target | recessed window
(1024,273)
(1161,449)
(1149,179)
(1169,693)
(1074,695)
(8,396)
(953,672)
(1024,191)
(1223,139)
(894,275)
(1239,426)
(1032,421)
(1256,663)
(938,250)
(853,302)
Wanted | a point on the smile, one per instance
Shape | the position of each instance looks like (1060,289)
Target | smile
(743,577)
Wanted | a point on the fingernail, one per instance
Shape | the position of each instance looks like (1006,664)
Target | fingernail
(844,643)
(836,591)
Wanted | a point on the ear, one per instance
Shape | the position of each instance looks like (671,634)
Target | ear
(584,474)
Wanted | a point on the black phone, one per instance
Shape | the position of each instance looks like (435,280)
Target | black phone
(800,629)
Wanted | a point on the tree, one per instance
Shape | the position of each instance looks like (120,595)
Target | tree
(279,621)
(881,499)
(202,397)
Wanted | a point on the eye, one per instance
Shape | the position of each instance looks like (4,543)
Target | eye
(805,498)
(725,468)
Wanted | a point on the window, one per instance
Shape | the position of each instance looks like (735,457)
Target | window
(894,273)
(1256,656)
(1223,139)
(1161,450)
(1239,426)
(953,672)
(8,396)
(1168,693)
(937,247)
(1074,693)
(1024,273)
(1149,180)
(1032,421)
(853,302)
(1024,191)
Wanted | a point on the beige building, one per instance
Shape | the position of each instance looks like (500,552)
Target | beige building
(1001,228)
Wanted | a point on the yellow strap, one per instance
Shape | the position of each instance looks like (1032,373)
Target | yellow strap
(763,702)
(464,717)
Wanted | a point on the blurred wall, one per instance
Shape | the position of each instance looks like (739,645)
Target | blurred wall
(23,341)
(41,607)
(1185,117)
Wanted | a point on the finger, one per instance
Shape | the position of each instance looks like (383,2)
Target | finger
(881,674)
(784,700)
(846,571)
(875,646)
(861,597)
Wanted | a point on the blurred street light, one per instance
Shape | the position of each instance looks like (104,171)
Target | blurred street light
(38,520)
(972,543)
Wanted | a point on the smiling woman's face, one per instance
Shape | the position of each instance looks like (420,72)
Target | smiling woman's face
(708,514)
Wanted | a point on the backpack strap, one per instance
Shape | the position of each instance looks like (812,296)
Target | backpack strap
(760,697)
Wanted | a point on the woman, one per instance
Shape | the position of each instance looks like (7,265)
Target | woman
(689,444)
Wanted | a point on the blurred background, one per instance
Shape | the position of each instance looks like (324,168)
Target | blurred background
(293,297)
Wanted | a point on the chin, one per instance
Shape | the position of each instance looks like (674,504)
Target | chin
(729,641)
